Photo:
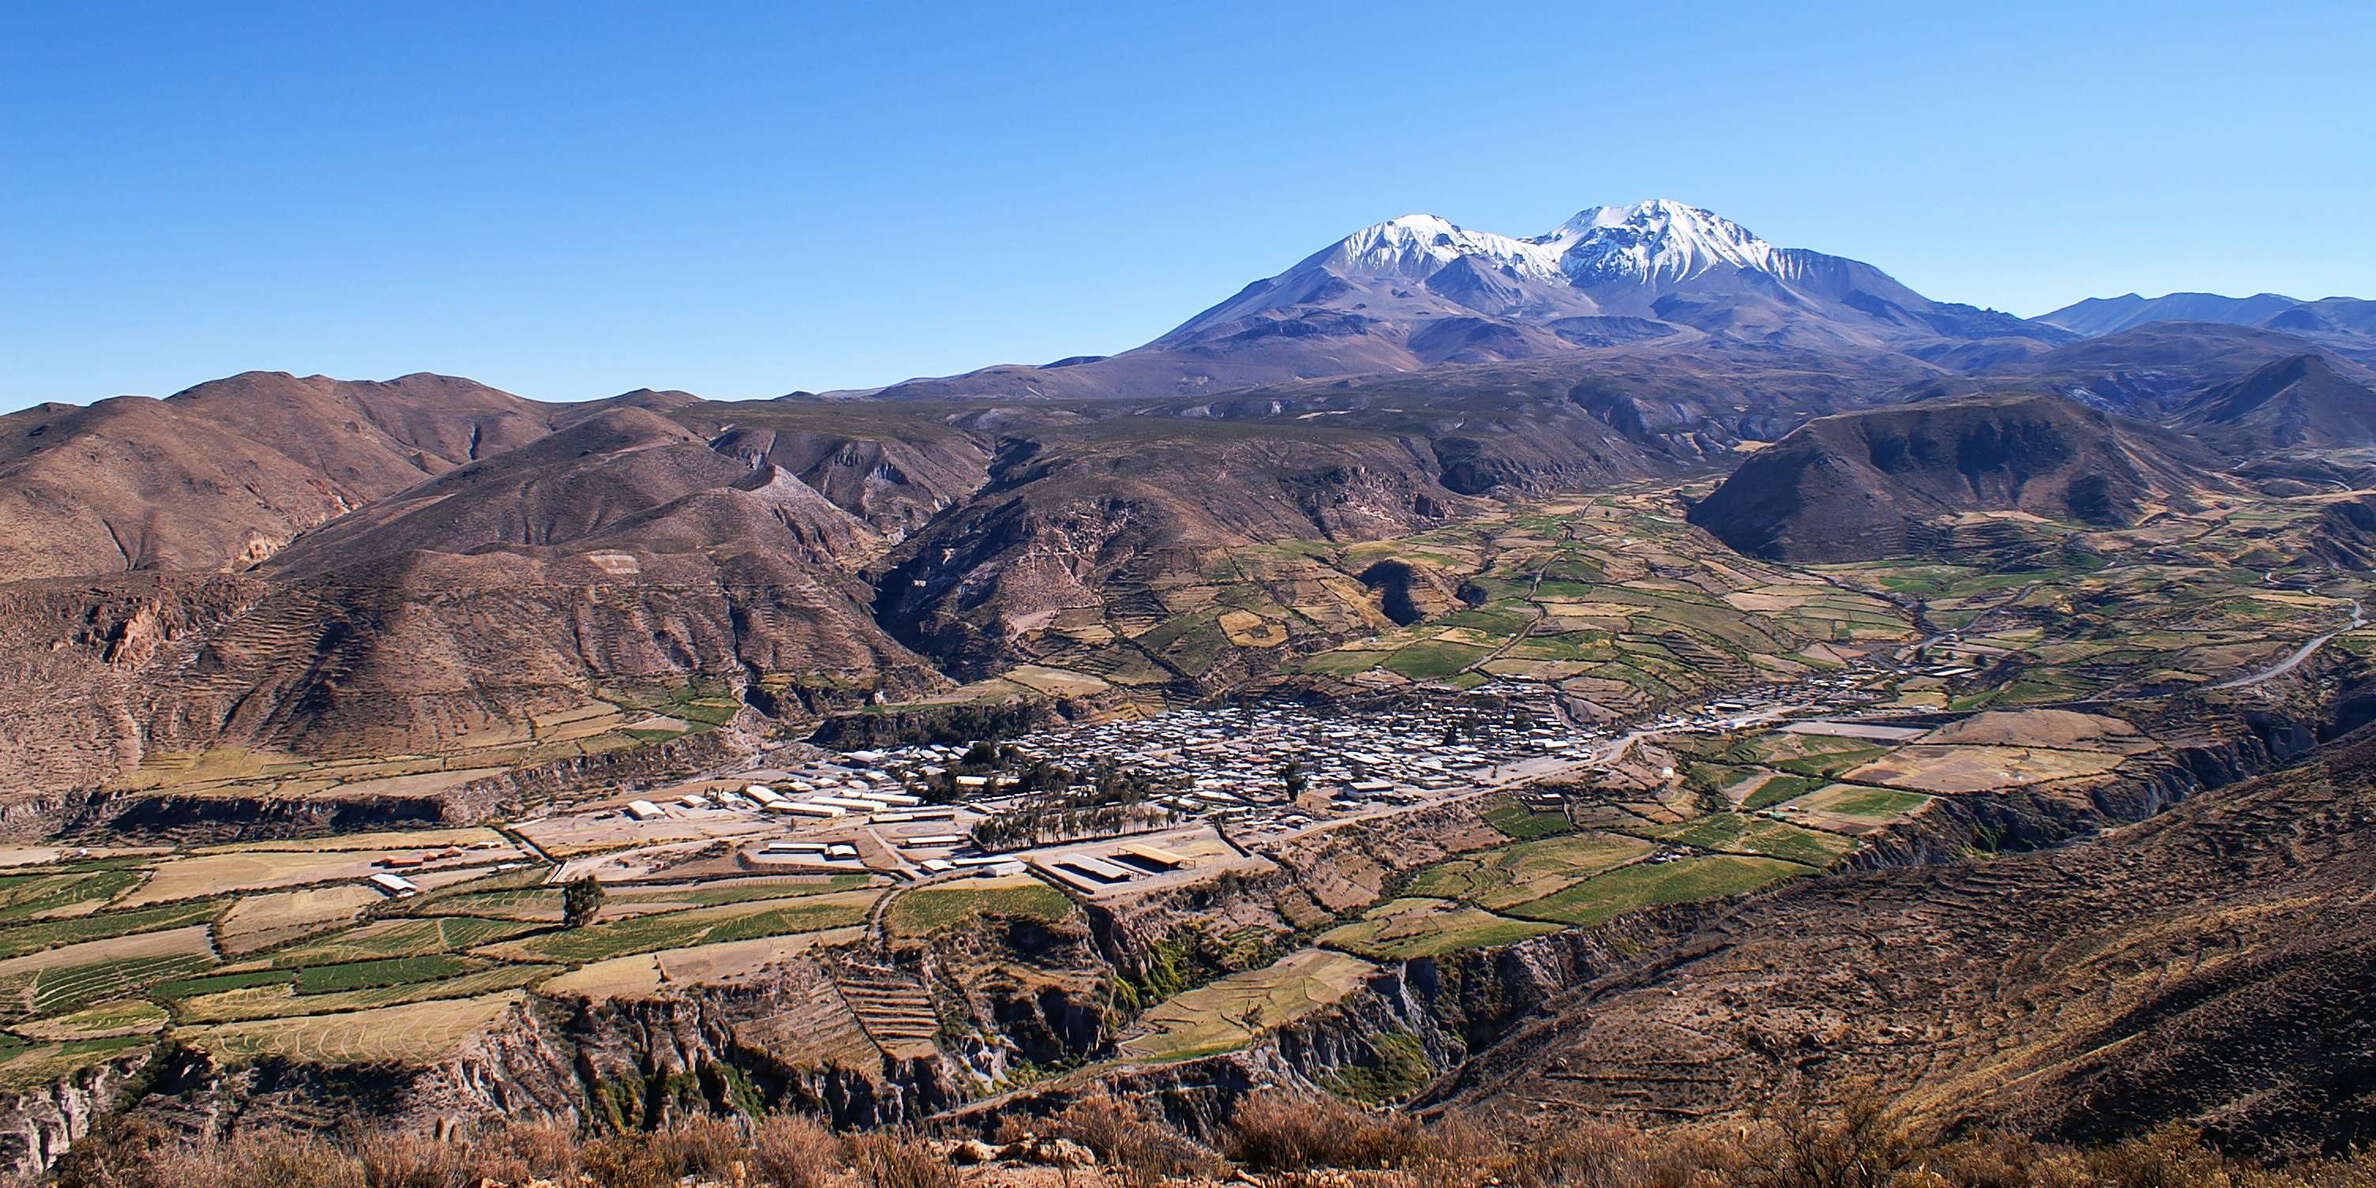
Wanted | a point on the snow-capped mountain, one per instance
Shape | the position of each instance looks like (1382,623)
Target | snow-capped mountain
(1659,259)
(1420,290)
(1649,241)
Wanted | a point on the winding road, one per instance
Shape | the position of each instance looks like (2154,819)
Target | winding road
(2359,619)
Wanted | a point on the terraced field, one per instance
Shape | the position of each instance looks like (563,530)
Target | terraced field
(1410,928)
(676,930)
(1526,871)
(97,958)
(1235,1010)
(413,1033)
(1605,897)
(927,910)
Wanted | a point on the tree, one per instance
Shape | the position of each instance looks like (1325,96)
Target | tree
(1295,779)
(581,901)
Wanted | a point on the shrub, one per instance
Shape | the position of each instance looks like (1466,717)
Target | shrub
(794,1151)
(1275,1131)
(1126,1137)
(899,1159)
(141,1155)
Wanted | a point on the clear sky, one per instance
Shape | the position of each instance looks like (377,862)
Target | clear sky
(569,200)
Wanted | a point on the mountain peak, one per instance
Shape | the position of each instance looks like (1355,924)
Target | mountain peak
(1658,239)
(1415,245)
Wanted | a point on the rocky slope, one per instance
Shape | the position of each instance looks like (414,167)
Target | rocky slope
(2301,401)
(2206,966)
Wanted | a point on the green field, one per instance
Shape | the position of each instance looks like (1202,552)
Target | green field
(27,895)
(1515,820)
(1736,833)
(402,938)
(1603,898)
(386,971)
(674,930)
(50,934)
(1411,928)
(1525,871)
(1778,788)
(937,908)
(1855,802)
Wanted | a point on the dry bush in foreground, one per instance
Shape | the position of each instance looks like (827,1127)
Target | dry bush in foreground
(897,1159)
(1279,1132)
(794,1151)
(1296,1142)
(1127,1138)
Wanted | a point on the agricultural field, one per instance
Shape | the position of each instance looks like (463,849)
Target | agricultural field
(1605,897)
(412,1033)
(676,930)
(1410,928)
(927,910)
(1235,1010)
(1614,601)
(1733,833)
(284,947)
(1526,871)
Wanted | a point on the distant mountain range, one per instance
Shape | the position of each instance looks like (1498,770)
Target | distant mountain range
(2348,318)
(1420,291)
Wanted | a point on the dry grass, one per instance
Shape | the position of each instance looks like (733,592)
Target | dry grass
(901,1160)
(1291,1141)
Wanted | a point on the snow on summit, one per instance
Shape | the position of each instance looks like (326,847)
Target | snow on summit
(1605,259)
(1656,240)
(1416,245)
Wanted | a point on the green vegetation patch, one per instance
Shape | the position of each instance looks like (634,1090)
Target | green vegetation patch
(27,895)
(1526,871)
(938,908)
(403,938)
(41,1064)
(1757,835)
(20,939)
(676,930)
(217,983)
(1605,897)
(1514,820)
(1779,788)
(1411,928)
(1831,763)
(387,971)
(1435,659)
(1856,802)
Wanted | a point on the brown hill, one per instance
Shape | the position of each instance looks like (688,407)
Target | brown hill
(1860,485)
(225,473)
(2144,372)
(2304,400)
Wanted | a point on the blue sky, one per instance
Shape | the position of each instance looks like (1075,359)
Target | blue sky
(571,200)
